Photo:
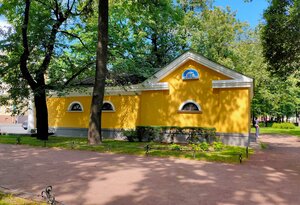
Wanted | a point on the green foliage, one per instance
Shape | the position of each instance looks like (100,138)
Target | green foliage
(270,130)
(156,133)
(199,134)
(9,199)
(280,34)
(148,133)
(176,147)
(204,146)
(195,147)
(285,125)
(218,146)
(130,134)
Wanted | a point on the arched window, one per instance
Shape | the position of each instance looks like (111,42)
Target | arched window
(190,106)
(75,107)
(108,107)
(190,74)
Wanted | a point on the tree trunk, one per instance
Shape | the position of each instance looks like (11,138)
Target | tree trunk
(94,132)
(41,113)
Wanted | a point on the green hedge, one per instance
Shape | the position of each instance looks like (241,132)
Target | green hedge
(157,133)
(285,125)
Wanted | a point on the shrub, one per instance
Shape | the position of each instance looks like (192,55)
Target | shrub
(204,146)
(195,147)
(170,131)
(218,146)
(176,147)
(199,134)
(148,133)
(156,133)
(263,124)
(285,125)
(130,134)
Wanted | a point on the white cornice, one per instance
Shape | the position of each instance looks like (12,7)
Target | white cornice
(231,84)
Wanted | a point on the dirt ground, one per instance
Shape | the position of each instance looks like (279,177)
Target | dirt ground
(271,176)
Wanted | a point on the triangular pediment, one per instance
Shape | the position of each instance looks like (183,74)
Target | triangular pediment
(201,60)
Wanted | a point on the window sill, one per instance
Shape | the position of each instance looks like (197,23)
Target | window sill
(189,112)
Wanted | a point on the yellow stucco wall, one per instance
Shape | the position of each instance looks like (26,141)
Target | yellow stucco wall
(161,108)
(58,115)
(125,116)
(199,90)
(225,109)
(234,115)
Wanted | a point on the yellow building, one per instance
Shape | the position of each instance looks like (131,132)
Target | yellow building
(190,91)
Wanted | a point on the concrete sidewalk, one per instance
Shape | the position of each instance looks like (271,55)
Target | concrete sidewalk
(82,177)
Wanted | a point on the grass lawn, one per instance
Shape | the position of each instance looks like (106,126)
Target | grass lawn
(228,154)
(8,199)
(270,130)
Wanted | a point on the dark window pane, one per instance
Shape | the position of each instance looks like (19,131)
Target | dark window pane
(107,106)
(76,107)
(190,107)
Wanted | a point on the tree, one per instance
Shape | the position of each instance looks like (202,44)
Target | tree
(280,37)
(214,33)
(94,133)
(143,38)
(43,28)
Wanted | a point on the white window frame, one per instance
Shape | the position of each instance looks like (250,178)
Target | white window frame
(182,76)
(72,103)
(112,105)
(188,111)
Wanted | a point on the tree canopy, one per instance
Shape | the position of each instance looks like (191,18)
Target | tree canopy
(281,37)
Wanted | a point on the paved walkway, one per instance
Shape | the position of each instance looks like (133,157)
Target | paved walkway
(81,177)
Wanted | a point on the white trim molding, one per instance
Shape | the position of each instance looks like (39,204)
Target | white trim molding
(112,105)
(71,104)
(190,101)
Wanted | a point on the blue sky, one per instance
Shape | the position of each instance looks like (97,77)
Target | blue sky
(251,12)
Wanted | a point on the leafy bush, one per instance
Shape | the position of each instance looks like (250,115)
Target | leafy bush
(285,125)
(148,133)
(204,146)
(176,147)
(157,133)
(130,134)
(263,124)
(170,131)
(195,147)
(218,146)
(199,134)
